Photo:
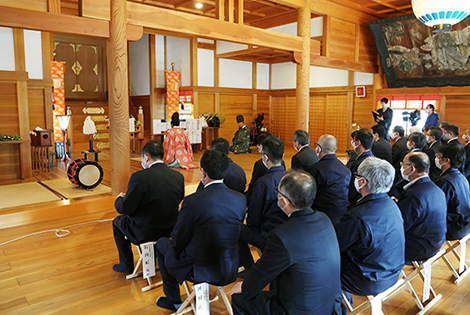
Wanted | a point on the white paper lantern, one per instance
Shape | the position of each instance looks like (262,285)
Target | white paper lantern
(439,14)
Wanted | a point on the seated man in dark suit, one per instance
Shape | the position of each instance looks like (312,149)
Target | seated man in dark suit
(456,189)
(416,141)
(370,234)
(332,178)
(259,168)
(433,138)
(306,157)
(263,214)
(362,143)
(235,178)
(466,139)
(423,209)
(398,134)
(450,135)
(204,241)
(149,209)
(301,260)
(380,147)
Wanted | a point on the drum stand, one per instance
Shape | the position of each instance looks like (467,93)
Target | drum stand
(65,157)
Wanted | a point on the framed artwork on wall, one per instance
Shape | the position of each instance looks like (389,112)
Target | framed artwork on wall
(413,56)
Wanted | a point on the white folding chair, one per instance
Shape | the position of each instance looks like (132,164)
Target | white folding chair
(424,272)
(463,268)
(190,305)
(374,301)
(145,262)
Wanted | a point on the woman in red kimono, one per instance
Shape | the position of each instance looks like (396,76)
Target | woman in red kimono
(178,151)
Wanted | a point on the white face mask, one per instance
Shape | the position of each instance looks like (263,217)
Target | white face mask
(465,138)
(428,139)
(353,143)
(393,135)
(318,151)
(142,163)
(446,137)
(408,146)
(295,147)
(402,171)
(428,111)
(438,164)
(356,184)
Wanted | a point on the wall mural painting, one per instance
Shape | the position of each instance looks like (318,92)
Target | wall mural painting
(413,56)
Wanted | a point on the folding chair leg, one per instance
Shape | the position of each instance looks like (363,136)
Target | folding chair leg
(225,299)
(136,273)
(464,270)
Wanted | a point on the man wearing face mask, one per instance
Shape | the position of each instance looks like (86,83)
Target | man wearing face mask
(332,178)
(361,143)
(149,209)
(398,134)
(371,234)
(456,189)
(385,116)
(433,138)
(423,207)
(259,168)
(301,260)
(450,135)
(306,157)
(466,138)
(433,118)
(263,214)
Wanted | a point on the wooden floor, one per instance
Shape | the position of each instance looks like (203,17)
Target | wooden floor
(44,274)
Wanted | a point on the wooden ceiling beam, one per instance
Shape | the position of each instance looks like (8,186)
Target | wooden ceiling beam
(58,23)
(242,52)
(175,21)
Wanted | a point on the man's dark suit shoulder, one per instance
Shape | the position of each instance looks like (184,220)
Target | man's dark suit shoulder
(305,158)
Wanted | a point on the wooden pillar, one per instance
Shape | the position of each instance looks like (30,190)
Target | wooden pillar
(153,79)
(302,91)
(118,98)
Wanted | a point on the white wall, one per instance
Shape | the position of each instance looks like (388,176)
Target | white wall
(205,67)
(262,76)
(7,53)
(33,54)
(224,47)
(139,66)
(178,51)
(362,78)
(235,74)
(160,60)
(327,77)
(283,76)
(316,28)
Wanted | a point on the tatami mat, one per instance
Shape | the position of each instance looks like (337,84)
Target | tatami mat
(69,191)
(24,194)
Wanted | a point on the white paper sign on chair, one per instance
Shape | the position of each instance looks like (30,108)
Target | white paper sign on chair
(148,258)
(202,298)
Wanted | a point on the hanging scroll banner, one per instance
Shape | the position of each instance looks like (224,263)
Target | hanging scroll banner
(172,92)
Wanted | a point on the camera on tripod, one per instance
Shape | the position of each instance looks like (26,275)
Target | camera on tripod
(413,117)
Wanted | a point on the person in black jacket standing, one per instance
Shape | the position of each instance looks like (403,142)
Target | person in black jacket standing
(385,116)
(149,209)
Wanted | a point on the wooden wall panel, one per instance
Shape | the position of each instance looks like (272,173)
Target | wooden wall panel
(9,109)
(337,120)
(263,107)
(362,110)
(9,153)
(231,106)
(342,36)
(37,115)
(206,103)
(367,50)
(456,112)
(283,117)
(317,117)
